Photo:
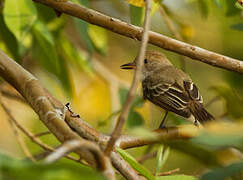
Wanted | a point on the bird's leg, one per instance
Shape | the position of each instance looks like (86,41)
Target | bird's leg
(161,126)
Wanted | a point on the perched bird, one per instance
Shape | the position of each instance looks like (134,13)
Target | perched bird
(170,88)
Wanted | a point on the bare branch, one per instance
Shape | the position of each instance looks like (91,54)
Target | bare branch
(126,108)
(70,146)
(167,173)
(146,157)
(125,29)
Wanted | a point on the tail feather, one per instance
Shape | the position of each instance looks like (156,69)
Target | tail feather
(200,113)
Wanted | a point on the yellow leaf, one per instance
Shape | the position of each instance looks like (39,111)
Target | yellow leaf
(138,3)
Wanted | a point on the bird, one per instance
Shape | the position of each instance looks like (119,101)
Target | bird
(170,88)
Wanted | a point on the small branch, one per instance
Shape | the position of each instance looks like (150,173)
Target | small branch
(16,133)
(167,173)
(126,108)
(42,134)
(128,30)
(70,146)
(146,157)
(32,136)
(12,95)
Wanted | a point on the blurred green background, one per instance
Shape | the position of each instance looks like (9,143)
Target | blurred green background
(79,63)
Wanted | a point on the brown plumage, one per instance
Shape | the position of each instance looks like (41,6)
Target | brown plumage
(170,88)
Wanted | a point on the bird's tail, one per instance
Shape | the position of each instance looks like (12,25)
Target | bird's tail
(200,113)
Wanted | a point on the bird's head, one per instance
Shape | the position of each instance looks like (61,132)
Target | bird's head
(152,60)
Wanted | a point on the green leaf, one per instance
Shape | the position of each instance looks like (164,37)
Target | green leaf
(134,119)
(10,169)
(234,101)
(137,101)
(231,10)
(74,54)
(82,29)
(224,172)
(19,17)
(136,15)
(238,27)
(177,177)
(8,39)
(138,167)
(162,156)
(203,7)
(47,49)
(159,158)
(218,141)
(218,3)
(237,5)
(45,52)
(99,38)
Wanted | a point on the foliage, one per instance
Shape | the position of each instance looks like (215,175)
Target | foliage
(59,46)
(19,169)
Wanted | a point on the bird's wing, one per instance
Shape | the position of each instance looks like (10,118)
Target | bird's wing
(193,91)
(167,94)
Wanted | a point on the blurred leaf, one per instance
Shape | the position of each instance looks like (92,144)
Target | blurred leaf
(8,39)
(136,15)
(45,52)
(237,27)
(217,141)
(74,54)
(82,29)
(99,38)
(177,177)
(45,13)
(138,167)
(134,119)
(231,10)
(203,7)
(19,170)
(46,47)
(162,156)
(138,3)
(218,3)
(224,172)
(137,101)
(142,133)
(237,5)
(233,101)
(19,17)
(159,158)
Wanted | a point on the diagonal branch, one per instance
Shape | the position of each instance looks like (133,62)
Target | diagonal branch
(126,108)
(71,145)
(50,110)
(131,31)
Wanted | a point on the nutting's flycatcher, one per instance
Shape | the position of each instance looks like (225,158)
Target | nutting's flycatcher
(170,88)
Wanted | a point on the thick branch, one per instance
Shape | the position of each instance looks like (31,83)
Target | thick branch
(125,29)
(50,111)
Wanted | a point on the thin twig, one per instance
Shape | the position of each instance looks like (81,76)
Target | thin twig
(42,134)
(16,133)
(70,146)
(131,31)
(173,30)
(167,173)
(216,98)
(146,157)
(31,135)
(126,108)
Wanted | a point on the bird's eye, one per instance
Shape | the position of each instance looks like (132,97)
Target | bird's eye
(145,61)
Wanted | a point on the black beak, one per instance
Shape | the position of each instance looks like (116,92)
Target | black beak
(128,66)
